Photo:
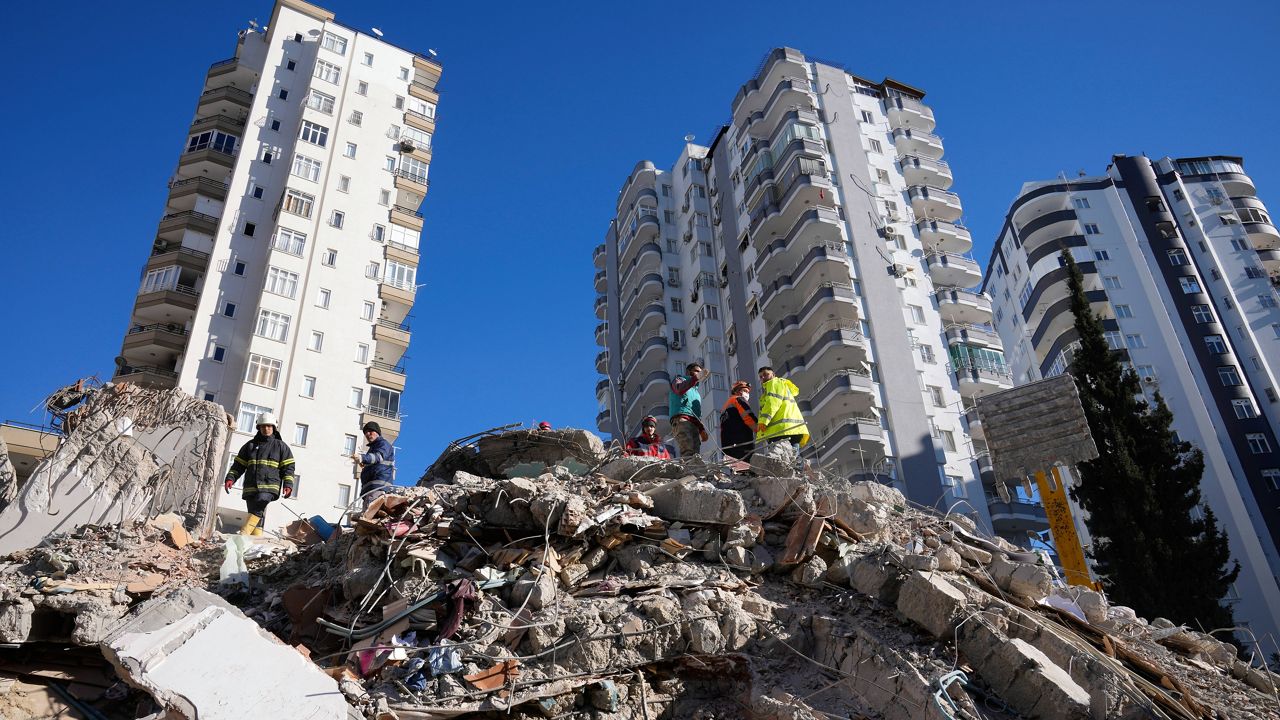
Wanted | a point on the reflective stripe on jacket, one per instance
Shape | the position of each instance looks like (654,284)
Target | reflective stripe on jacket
(737,423)
(379,466)
(780,411)
(642,447)
(266,464)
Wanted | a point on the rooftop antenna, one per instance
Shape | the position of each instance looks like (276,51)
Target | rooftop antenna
(377,32)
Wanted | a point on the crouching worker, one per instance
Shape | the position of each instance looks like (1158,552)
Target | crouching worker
(266,463)
(648,443)
(378,462)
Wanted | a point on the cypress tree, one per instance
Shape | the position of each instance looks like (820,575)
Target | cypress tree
(1155,547)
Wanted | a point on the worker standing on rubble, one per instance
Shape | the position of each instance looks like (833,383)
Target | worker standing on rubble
(648,443)
(738,423)
(266,463)
(684,405)
(378,464)
(780,417)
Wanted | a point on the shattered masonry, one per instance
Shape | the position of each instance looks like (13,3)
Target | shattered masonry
(538,575)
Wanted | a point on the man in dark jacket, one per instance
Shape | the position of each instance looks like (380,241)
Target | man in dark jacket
(266,463)
(738,423)
(378,464)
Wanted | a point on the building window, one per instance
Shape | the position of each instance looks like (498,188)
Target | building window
(329,258)
(677,305)
(1134,341)
(320,102)
(935,394)
(1244,409)
(298,203)
(1267,301)
(239,268)
(229,309)
(267,156)
(306,168)
(1114,338)
(1228,375)
(1101,255)
(283,94)
(273,325)
(384,197)
(291,65)
(1258,444)
(368,59)
(371,270)
(356,400)
(256,191)
(344,183)
(329,41)
(337,219)
(362,88)
(313,133)
(366,312)
(328,72)
(1124,311)
(289,241)
(349,444)
(378,234)
(1091,229)
(300,434)
(263,371)
(316,342)
(876,147)
(1025,295)
(282,282)
(404,74)
(867,116)
(1080,203)
(1202,314)
(399,102)
(1111,282)
(357,118)
(1229,219)
(219,353)
(323,296)
(926,354)
(1215,344)
(213,140)
(350,150)
(308,386)
(247,417)
(385,401)
(210,396)
(1189,285)
(948,440)
(1177,257)
(1240,244)
(362,353)
(1272,476)
(917,314)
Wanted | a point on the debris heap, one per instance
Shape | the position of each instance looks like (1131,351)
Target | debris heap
(535,575)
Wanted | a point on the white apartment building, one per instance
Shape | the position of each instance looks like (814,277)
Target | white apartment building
(282,273)
(816,234)
(1180,261)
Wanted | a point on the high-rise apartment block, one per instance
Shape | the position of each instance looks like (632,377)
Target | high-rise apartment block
(1180,261)
(282,273)
(816,233)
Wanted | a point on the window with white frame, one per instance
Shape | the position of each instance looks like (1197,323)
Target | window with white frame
(298,203)
(165,278)
(350,150)
(1124,311)
(1176,256)
(273,325)
(1101,255)
(1202,314)
(1189,285)
(316,342)
(308,386)
(1229,376)
(328,72)
(421,138)
(300,432)
(404,74)
(329,258)
(338,218)
(371,270)
(247,417)
(368,59)
(1243,408)
(362,353)
(1091,229)
(1080,203)
(917,314)
(362,88)
(379,233)
(366,311)
(1258,444)
(1134,341)
(306,168)
(314,133)
(1215,344)
(320,102)
(1114,338)
(263,371)
(1025,294)
(384,197)
(213,140)
(323,296)
(948,440)
(348,444)
(282,282)
(1272,476)
(290,241)
(400,275)
(329,41)
(356,399)
(414,168)
(357,118)
(344,183)
(421,107)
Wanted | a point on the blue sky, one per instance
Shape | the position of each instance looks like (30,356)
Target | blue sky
(545,107)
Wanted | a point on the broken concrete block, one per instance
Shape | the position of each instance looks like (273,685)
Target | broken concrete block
(637,469)
(971,553)
(840,572)
(922,563)
(948,559)
(867,519)
(878,579)
(534,590)
(810,573)
(776,459)
(169,658)
(878,494)
(931,602)
(1022,579)
(737,556)
(698,502)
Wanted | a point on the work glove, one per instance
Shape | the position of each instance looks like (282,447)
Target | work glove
(288,491)
(228,483)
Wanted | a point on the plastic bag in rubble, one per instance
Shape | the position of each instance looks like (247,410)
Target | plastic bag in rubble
(233,569)
(444,659)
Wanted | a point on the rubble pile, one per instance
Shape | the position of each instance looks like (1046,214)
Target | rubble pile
(535,575)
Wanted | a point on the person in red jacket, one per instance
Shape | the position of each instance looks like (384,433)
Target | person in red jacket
(648,443)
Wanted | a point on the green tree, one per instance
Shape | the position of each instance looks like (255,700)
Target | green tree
(1155,547)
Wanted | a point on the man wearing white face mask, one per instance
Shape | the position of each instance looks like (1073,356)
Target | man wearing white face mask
(738,423)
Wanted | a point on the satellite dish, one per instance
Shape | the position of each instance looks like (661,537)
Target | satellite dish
(432,52)
(121,361)
(377,32)
(689,137)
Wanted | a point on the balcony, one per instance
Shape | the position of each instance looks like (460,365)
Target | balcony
(226,100)
(602,389)
(643,176)
(599,255)
(146,375)
(424,91)
(917,142)
(206,162)
(840,393)
(649,259)
(601,281)
(174,226)
(1047,230)
(391,332)
(602,307)
(934,204)
(650,355)
(169,337)
(642,230)
(166,305)
(758,100)
(222,67)
(816,226)
(802,187)
(183,193)
(602,362)
(397,293)
(975,335)
(950,270)
(1262,235)
(926,171)
(650,391)
(974,424)
(861,436)
(650,320)
(833,352)
(1270,261)
(940,235)
(411,182)
(603,422)
(648,291)
(979,379)
(602,334)
(1017,518)
(386,375)
(826,263)
(401,253)
(388,421)
(779,63)
(165,254)
(426,123)
(963,306)
(832,303)
(228,124)
(406,217)
(908,112)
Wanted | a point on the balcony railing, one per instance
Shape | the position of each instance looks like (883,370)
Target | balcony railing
(412,177)
(144,370)
(190,215)
(407,210)
(402,247)
(231,92)
(402,326)
(165,250)
(388,367)
(200,182)
(422,116)
(184,289)
(381,412)
(228,61)
(170,328)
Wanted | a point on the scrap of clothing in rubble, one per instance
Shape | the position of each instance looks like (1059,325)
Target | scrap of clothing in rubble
(460,591)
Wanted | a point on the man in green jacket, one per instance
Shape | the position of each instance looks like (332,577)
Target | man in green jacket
(684,407)
(780,417)
(266,463)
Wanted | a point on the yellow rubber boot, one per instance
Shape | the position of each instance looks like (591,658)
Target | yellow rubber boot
(250,526)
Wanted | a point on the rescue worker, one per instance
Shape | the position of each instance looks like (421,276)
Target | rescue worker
(738,423)
(684,406)
(266,463)
(377,464)
(648,443)
(780,417)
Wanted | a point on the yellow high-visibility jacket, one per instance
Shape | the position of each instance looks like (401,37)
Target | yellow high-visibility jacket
(780,411)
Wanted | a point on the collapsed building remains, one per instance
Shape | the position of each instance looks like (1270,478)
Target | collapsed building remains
(540,575)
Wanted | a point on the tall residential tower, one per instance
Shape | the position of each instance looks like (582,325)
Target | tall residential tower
(1180,260)
(282,273)
(815,233)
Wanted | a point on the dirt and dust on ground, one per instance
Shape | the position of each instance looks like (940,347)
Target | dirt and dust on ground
(535,574)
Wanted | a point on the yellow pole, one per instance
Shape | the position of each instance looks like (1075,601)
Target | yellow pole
(1063,529)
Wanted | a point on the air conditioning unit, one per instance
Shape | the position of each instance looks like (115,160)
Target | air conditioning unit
(673,282)
(685,207)
(407,144)
(1149,380)
(697,330)
(676,344)
(688,235)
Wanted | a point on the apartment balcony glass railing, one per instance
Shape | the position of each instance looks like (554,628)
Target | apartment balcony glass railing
(963,306)
(943,236)
(935,203)
(929,171)
(951,270)
(921,143)
(909,112)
